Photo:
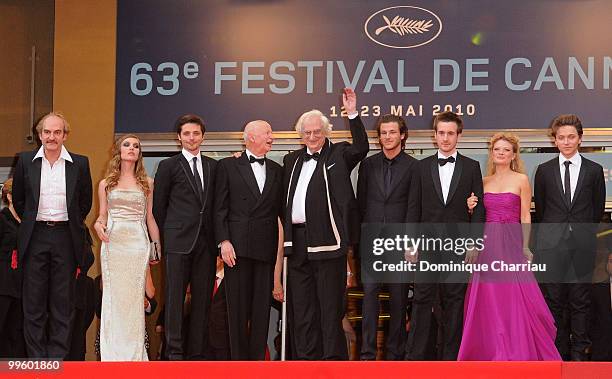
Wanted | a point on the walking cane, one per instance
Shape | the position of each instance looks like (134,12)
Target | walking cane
(284,311)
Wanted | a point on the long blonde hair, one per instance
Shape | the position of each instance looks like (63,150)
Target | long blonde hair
(516,164)
(113,172)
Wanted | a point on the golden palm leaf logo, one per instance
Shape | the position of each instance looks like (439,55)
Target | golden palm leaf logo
(410,27)
(402,26)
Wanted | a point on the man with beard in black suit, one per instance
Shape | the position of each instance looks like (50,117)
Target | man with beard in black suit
(386,193)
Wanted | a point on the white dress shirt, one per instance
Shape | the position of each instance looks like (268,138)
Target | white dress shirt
(259,170)
(574,169)
(446,174)
(298,208)
(189,158)
(52,205)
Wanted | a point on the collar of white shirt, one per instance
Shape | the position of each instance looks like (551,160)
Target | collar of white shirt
(454,155)
(576,159)
(249,154)
(310,152)
(64,154)
(190,156)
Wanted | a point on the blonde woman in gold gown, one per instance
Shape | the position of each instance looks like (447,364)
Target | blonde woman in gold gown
(125,225)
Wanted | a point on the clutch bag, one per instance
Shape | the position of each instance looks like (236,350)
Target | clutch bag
(153,251)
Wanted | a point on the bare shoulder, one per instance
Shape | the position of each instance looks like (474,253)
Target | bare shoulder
(487,179)
(150,180)
(102,184)
(523,181)
(521,178)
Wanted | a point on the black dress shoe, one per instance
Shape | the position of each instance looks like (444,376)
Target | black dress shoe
(578,356)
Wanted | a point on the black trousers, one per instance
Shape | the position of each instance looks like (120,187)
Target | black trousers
(83,316)
(196,269)
(49,271)
(451,298)
(601,327)
(396,335)
(12,344)
(316,303)
(566,287)
(574,298)
(248,290)
(447,287)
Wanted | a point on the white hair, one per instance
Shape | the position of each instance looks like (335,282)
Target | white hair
(315,113)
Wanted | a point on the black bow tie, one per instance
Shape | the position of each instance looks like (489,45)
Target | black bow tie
(314,156)
(443,161)
(261,161)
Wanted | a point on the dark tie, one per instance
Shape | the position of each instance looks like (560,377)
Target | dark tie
(567,186)
(387,173)
(261,161)
(443,161)
(314,156)
(196,175)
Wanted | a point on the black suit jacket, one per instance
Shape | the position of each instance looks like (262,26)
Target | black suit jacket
(181,214)
(331,206)
(466,179)
(26,194)
(397,205)
(243,215)
(553,212)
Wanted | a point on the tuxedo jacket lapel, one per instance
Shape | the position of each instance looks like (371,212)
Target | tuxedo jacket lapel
(378,174)
(187,170)
(398,174)
(435,176)
(71,179)
(455,179)
(245,170)
(270,177)
(297,169)
(207,180)
(581,175)
(557,175)
(35,178)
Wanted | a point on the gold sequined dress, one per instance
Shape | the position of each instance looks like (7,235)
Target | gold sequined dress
(124,262)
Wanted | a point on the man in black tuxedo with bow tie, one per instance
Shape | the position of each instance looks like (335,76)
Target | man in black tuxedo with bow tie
(248,201)
(183,208)
(447,179)
(570,195)
(387,193)
(321,221)
(52,194)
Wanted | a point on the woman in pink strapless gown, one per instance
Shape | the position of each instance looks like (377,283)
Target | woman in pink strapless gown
(505,315)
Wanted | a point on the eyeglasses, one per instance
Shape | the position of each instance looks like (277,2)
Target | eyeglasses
(316,133)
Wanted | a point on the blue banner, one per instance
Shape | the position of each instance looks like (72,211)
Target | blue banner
(502,65)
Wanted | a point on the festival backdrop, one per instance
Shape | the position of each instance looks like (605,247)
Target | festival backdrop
(500,64)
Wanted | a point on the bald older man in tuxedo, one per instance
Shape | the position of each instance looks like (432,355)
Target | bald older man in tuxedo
(248,200)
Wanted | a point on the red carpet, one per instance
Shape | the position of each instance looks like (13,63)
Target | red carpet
(312,370)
